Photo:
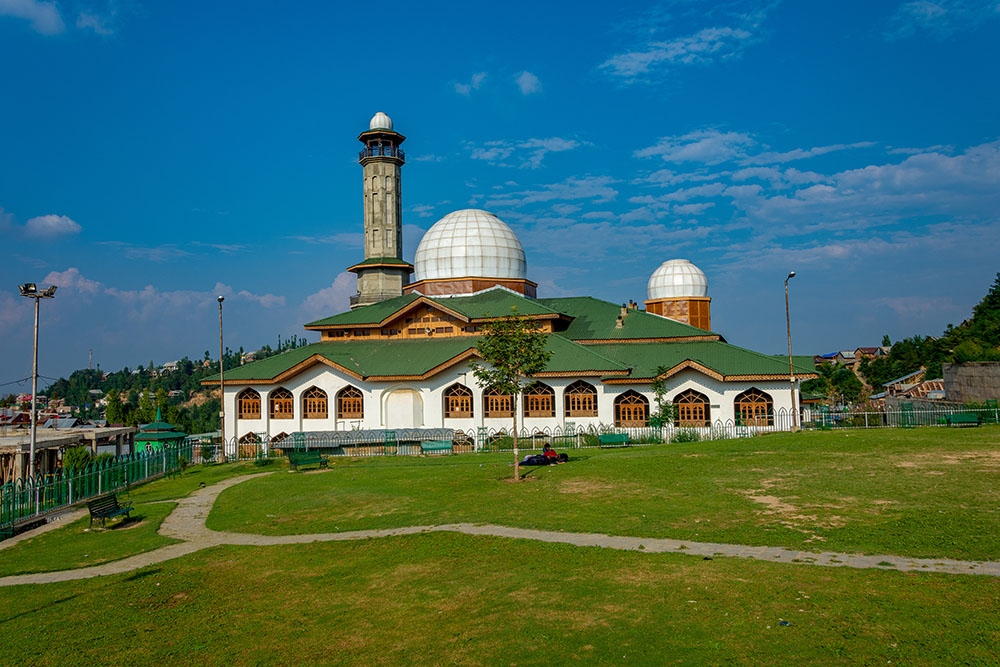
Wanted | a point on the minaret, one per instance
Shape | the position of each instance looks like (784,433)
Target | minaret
(383,273)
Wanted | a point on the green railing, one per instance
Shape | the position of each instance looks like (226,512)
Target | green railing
(23,500)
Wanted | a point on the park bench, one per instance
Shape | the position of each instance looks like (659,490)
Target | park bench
(296,459)
(435,446)
(964,419)
(613,439)
(107,507)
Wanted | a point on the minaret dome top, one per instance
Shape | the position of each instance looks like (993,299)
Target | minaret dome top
(380,121)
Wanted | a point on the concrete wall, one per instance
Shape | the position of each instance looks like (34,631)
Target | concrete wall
(976,381)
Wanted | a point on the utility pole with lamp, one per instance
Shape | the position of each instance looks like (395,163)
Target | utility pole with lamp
(791,369)
(222,393)
(31,291)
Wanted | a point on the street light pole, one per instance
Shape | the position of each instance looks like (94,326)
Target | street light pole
(222,388)
(31,291)
(791,369)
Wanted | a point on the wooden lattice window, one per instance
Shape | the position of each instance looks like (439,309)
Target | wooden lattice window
(497,404)
(278,438)
(314,403)
(457,402)
(248,404)
(581,399)
(539,401)
(631,409)
(754,408)
(691,408)
(281,404)
(249,438)
(350,403)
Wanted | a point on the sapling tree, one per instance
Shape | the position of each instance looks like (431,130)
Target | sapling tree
(512,349)
(664,413)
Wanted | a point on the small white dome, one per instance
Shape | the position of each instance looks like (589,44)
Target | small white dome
(677,279)
(469,243)
(380,121)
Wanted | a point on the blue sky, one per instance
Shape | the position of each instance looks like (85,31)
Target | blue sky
(155,155)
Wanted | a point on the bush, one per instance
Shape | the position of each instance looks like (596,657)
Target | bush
(182,462)
(207,453)
(104,456)
(76,458)
(685,435)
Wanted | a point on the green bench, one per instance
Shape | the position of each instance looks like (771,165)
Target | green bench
(435,446)
(964,419)
(107,507)
(296,459)
(613,439)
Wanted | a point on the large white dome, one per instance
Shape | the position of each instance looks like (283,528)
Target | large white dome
(380,121)
(469,243)
(677,279)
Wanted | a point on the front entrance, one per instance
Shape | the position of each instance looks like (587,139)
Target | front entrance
(404,408)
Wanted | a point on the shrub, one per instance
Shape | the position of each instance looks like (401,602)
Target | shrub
(104,456)
(207,452)
(182,462)
(76,458)
(685,435)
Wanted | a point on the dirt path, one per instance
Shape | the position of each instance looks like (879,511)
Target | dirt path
(187,523)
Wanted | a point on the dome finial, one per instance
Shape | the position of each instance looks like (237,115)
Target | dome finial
(380,121)
(677,278)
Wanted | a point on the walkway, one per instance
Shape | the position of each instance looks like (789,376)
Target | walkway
(187,523)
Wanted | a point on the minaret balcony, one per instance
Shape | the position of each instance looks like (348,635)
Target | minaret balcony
(382,150)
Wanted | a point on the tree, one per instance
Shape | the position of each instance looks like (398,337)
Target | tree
(76,458)
(513,349)
(146,411)
(161,398)
(664,413)
(115,412)
(886,341)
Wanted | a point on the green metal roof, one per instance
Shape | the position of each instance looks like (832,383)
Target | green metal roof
(159,436)
(384,260)
(594,319)
(723,358)
(372,314)
(495,303)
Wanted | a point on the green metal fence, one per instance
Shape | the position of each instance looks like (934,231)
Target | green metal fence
(23,500)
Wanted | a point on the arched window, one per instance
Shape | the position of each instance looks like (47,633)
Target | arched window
(249,438)
(248,404)
(691,408)
(631,409)
(314,403)
(457,402)
(497,404)
(539,401)
(350,403)
(280,403)
(278,438)
(754,408)
(580,399)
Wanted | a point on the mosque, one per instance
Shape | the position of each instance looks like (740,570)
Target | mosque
(400,357)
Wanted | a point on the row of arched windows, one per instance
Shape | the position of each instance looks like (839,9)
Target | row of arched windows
(350,404)
(691,408)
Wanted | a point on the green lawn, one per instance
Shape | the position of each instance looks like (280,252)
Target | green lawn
(436,599)
(929,492)
(74,545)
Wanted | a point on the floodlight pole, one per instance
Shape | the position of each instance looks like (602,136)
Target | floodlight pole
(31,291)
(222,388)
(791,369)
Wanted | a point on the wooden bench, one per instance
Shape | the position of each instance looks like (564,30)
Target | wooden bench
(296,459)
(107,507)
(613,439)
(964,419)
(435,446)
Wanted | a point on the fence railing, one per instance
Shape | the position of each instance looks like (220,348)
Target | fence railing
(25,499)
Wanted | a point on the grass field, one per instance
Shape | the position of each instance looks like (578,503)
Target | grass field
(444,598)
(918,492)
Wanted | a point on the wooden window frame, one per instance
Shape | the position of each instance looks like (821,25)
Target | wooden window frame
(539,401)
(248,404)
(350,403)
(631,410)
(754,407)
(692,409)
(497,405)
(315,404)
(458,403)
(580,399)
(280,404)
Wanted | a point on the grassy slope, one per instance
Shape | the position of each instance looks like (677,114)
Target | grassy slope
(447,599)
(920,492)
(75,546)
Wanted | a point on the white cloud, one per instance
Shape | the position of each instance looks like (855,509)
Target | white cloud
(44,17)
(14,312)
(160,253)
(703,146)
(94,21)
(771,157)
(528,83)
(940,18)
(705,46)
(474,84)
(530,152)
(51,226)
(423,210)
(330,300)
(72,279)
(597,188)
